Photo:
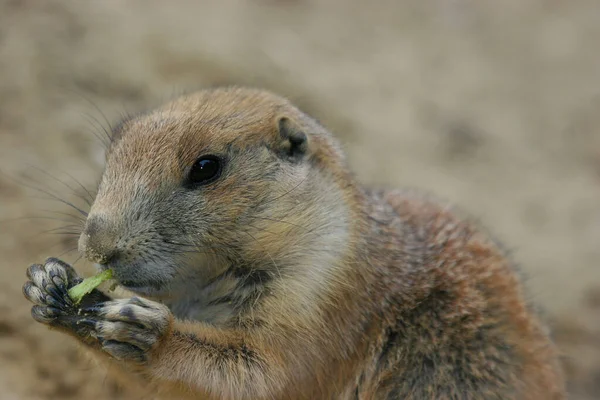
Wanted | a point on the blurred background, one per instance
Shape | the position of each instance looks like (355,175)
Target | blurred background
(494,105)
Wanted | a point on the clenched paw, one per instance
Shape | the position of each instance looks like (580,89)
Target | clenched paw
(47,289)
(129,329)
(126,329)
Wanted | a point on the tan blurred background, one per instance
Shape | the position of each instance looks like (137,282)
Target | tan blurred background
(492,104)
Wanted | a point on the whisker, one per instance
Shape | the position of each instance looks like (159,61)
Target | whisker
(55,198)
(62,183)
(92,130)
(78,258)
(80,185)
(47,249)
(110,127)
(95,123)
(62,227)
(99,110)
(76,217)
(26,218)
(67,252)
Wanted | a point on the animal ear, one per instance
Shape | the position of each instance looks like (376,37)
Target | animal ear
(293,141)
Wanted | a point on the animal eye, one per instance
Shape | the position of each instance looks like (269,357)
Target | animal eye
(205,170)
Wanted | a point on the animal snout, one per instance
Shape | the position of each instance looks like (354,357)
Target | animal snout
(98,241)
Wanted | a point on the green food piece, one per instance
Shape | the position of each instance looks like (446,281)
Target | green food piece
(88,284)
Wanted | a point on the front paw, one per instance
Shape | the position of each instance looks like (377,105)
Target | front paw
(47,289)
(130,329)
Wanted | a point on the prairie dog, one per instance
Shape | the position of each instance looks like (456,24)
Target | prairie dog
(264,270)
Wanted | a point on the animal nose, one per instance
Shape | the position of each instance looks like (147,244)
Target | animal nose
(98,241)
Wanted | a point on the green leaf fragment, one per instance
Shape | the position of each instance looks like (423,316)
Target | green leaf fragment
(77,292)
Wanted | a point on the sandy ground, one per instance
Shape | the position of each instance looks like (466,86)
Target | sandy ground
(491,104)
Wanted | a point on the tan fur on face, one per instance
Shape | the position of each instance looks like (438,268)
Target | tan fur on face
(289,280)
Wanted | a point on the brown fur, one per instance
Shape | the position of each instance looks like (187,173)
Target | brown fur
(300,284)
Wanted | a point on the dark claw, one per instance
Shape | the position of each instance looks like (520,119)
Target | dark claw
(64,295)
(59,282)
(94,309)
(53,290)
(55,302)
(75,281)
(89,322)
(53,275)
(60,292)
(67,299)
(53,312)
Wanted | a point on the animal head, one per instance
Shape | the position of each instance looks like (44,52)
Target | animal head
(213,180)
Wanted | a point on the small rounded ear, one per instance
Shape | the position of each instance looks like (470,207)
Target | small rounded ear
(294,142)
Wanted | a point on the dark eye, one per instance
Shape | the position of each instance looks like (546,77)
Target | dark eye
(205,170)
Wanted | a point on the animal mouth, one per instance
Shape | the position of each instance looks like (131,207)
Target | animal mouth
(144,287)
(131,284)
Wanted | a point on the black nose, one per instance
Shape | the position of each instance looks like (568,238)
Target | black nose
(98,241)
